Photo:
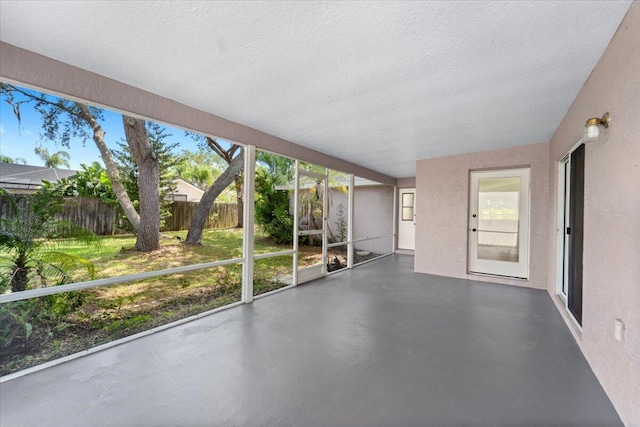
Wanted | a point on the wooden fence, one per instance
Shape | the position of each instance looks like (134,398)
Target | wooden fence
(222,215)
(102,219)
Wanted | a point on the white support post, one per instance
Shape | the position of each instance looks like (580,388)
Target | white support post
(350,246)
(248,218)
(394,240)
(296,197)
(325,223)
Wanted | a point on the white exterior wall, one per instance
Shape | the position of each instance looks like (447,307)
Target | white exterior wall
(194,194)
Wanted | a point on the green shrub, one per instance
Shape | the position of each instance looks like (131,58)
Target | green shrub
(280,228)
(21,319)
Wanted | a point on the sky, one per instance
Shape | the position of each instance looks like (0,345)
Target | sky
(18,140)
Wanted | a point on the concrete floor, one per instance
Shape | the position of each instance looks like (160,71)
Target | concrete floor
(378,345)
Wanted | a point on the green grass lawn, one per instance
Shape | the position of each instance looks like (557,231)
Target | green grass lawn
(115,255)
(67,323)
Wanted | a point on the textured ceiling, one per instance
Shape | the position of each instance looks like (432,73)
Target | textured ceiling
(381,84)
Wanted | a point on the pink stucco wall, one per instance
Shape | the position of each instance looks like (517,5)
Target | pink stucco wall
(409,182)
(611,283)
(442,201)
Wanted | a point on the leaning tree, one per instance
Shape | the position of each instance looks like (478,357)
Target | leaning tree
(231,174)
(227,155)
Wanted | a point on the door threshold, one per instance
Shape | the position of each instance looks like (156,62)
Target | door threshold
(475,273)
(405,252)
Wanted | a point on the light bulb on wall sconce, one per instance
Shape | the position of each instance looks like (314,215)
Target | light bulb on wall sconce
(595,127)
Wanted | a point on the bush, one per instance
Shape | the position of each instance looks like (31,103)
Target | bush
(280,228)
(272,205)
(21,319)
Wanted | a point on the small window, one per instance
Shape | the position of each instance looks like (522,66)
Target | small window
(407,207)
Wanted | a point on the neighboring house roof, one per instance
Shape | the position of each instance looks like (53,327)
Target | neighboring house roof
(17,177)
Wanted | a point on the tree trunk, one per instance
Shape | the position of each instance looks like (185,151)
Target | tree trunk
(240,200)
(194,236)
(112,168)
(148,237)
(20,276)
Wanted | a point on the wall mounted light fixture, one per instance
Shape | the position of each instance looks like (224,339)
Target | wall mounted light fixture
(595,127)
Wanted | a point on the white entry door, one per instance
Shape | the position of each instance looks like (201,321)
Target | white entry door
(407,219)
(499,223)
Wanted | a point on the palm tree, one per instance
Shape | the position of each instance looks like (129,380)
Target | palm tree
(7,159)
(57,159)
(201,176)
(311,198)
(29,240)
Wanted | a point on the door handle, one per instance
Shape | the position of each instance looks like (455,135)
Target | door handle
(473,229)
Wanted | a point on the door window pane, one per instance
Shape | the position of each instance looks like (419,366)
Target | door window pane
(407,207)
(407,214)
(498,219)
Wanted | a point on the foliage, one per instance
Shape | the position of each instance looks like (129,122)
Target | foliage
(90,181)
(7,159)
(271,204)
(15,319)
(29,253)
(20,319)
(129,171)
(199,169)
(53,160)
(341,225)
(280,228)
(62,119)
(29,258)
